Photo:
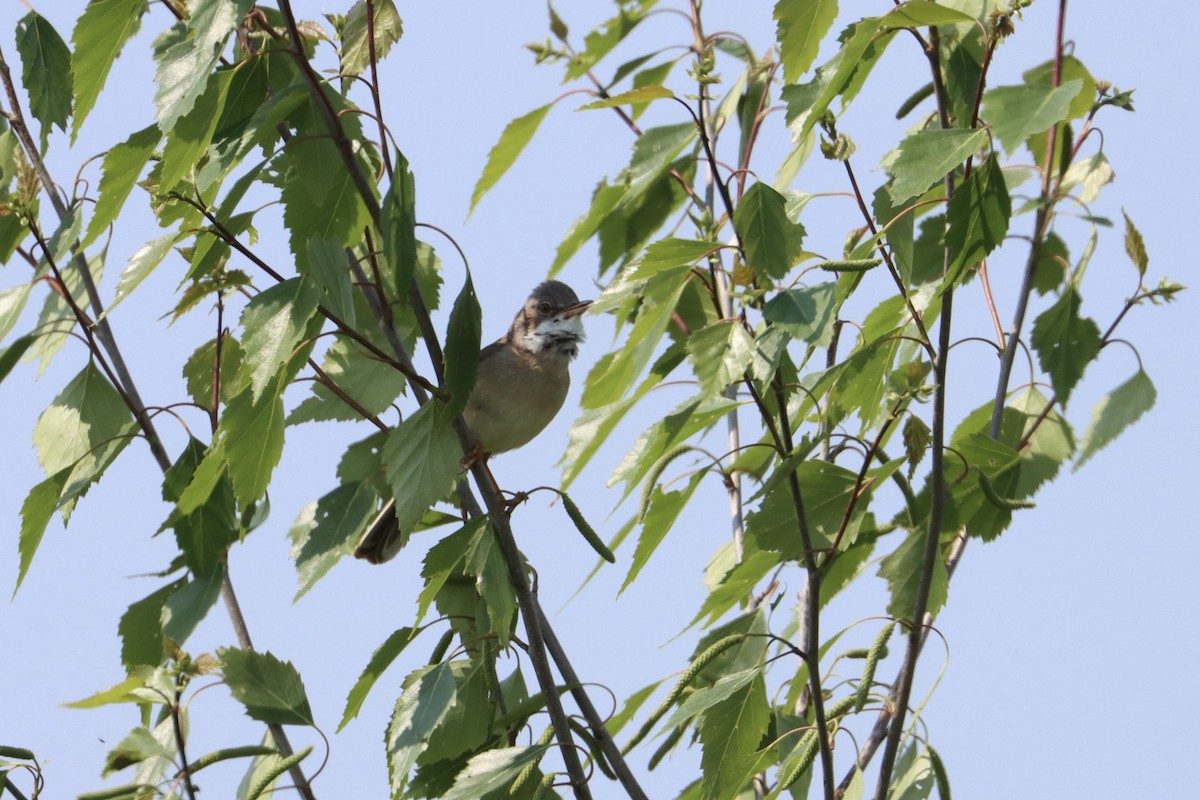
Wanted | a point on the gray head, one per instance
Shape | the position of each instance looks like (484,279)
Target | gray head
(549,320)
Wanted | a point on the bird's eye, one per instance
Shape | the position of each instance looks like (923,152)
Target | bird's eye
(545,308)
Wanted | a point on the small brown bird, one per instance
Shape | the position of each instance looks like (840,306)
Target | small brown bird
(521,384)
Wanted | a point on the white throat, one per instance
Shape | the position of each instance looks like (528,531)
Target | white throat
(560,335)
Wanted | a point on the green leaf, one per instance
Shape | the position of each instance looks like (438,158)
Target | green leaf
(85,414)
(270,689)
(320,199)
(853,62)
(205,520)
(977,216)
(1072,69)
(661,512)
(925,157)
(102,30)
(36,512)
(608,35)
(10,355)
(275,322)
(730,733)
(371,383)
(421,456)
(517,134)
(492,770)
(1017,112)
(252,436)
(123,692)
(45,72)
(381,659)
(189,137)
(138,746)
(141,264)
(807,313)
(632,225)
(187,54)
(356,47)
(669,255)
(462,347)
(121,168)
(445,559)
(486,563)
(198,371)
(141,628)
(427,698)
(1135,246)
(923,14)
(706,697)
(12,303)
(1092,174)
(1115,412)
(902,570)
(328,530)
(329,269)
(826,490)
(771,241)
(642,94)
(1065,342)
(398,228)
(689,417)
(188,605)
(720,355)
(800,27)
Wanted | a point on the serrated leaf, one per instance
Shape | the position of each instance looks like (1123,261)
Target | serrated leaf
(492,770)
(826,491)
(806,103)
(1091,174)
(45,72)
(421,456)
(320,199)
(36,512)
(730,733)
(137,746)
(1115,412)
(198,371)
(371,383)
(445,559)
(800,25)
(120,170)
(329,269)
(100,34)
(1135,246)
(486,564)
(141,264)
(275,323)
(356,47)
(599,42)
(771,241)
(1071,69)
(662,511)
(706,697)
(917,438)
(10,355)
(668,255)
(327,531)
(1065,343)
(188,605)
(806,313)
(925,157)
(189,137)
(427,698)
(462,347)
(720,355)
(902,570)
(516,135)
(252,433)
(397,226)
(141,631)
(12,303)
(922,14)
(186,55)
(87,412)
(1017,112)
(642,94)
(977,218)
(381,659)
(271,690)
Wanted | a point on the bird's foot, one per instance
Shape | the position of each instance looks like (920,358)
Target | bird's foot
(474,457)
(511,503)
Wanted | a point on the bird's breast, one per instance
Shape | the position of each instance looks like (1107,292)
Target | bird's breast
(516,395)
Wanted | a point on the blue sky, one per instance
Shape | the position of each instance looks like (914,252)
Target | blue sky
(1064,635)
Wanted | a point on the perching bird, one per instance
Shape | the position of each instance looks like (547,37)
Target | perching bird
(521,384)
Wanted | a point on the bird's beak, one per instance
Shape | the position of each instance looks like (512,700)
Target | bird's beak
(570,312)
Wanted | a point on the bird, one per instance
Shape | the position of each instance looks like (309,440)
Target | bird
(521,384)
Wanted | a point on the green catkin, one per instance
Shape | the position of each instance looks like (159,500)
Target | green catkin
(850,264)
(283,766)
(545,789)
(17,752)
(858,652)
(439,651)
(656,472)
(584,528)
(701,661)
(585,734)
(666,747)
(216,756)
(940,778)
(530,769)
(877,652)
(808,753)
(912,102)
(1006,503)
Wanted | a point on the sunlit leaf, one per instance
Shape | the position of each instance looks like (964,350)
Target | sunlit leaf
(271,690)
(36,512)
(926,156)
(45,72)
(977,218)
(422,459)
(1115,412)
(275,322)
(381,659)
(720,355)
(504,154)
(326,531)
(800,25)
(121,168)
(771,240)
(1017,112)
(100,34)
(428,696)
(186,55)
(356,47)
(730,733)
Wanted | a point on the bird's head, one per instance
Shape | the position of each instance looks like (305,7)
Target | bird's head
(550,320)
